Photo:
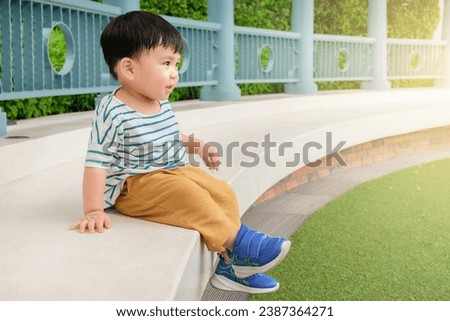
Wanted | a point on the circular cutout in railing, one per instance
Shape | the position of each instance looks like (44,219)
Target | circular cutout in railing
(266,58)
(415,60)
(342,60)
(60,48)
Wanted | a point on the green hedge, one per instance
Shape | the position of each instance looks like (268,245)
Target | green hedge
(406,19)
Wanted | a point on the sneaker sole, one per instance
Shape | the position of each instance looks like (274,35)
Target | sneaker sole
(245,271)
(222,283)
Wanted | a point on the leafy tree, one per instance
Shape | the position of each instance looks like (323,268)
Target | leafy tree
(415,19)
(341,17)
(191,9)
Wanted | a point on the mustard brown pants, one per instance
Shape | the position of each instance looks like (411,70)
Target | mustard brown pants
(186,197)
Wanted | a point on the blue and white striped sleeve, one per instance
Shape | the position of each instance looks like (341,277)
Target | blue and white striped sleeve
(103,142)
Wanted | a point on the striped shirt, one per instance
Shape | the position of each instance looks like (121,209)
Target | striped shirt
(125,142)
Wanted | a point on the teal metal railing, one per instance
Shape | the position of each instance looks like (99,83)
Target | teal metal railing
(260,55)
(416,59)
(198,62)
(265,55)
(26,67)
(338,58)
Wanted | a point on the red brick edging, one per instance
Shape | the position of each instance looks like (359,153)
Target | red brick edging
(433,139)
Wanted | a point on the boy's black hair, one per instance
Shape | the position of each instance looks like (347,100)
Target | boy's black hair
(129,34)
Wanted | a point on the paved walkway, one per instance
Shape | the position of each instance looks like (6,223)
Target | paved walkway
(286,213)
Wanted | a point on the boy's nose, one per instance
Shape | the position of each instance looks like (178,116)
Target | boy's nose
(174,73)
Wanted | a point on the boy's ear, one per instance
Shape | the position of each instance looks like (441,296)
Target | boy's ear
(125,68)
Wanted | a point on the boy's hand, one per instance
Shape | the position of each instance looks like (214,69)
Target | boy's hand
(92,221)
(208,153)
(210,157)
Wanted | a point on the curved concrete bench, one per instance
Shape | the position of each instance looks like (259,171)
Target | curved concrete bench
(40,189)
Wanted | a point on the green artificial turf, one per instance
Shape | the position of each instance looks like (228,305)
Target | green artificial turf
(387,239)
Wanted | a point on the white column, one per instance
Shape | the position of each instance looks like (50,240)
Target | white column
(3,130)
(446,36)
(222,11)
(378,30)
(303,23)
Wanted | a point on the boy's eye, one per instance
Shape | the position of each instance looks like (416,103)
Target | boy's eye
(168,64)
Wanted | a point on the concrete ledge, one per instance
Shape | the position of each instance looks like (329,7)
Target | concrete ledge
(40,190)
(135,260)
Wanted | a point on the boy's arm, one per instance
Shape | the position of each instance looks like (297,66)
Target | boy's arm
(208,153)
(94,219)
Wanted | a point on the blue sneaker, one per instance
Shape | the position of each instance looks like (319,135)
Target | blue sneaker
(256,252)
(224,278)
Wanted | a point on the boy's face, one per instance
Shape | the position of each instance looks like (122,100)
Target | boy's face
(156,73)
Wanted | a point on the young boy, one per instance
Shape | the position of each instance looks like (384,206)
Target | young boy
(137,162)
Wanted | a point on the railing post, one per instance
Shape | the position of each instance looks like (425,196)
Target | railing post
(125,5)
(3,129)
(446,36)
(222,11)
(303,22)
(378,30)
